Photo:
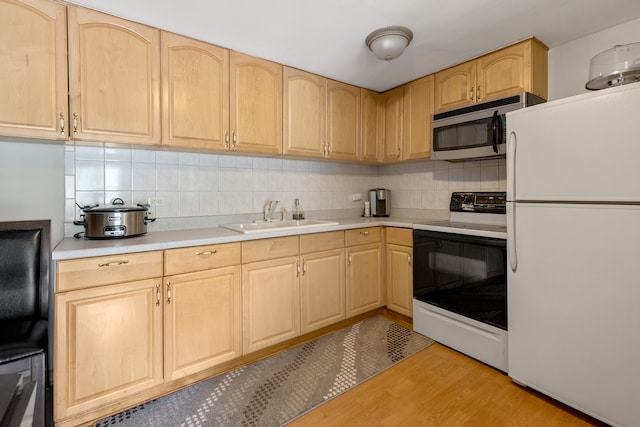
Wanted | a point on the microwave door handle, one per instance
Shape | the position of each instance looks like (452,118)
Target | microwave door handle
(495,125)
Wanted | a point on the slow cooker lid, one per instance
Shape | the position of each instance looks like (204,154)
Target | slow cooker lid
(117,205)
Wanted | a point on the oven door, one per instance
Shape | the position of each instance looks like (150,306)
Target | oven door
(462,274)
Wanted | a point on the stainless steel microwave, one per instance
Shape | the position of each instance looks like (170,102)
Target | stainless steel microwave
(477,131)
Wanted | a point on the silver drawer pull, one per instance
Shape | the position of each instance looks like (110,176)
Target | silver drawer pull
(113,263)
(207,252)
(364,233)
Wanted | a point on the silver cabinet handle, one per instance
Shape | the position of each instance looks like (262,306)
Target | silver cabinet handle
(364,233)
(75,123)
(157,294)
(62,123)
(298,268)
(409,259)
(234,140)
(226,139)
(207,252)
(478,94)
(304,266)
(168,292)
(471,92)
(349,259)
(113,263)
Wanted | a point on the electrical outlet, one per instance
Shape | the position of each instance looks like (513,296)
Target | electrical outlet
(356,197)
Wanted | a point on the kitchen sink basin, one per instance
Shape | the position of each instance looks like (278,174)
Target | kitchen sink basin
(265,226)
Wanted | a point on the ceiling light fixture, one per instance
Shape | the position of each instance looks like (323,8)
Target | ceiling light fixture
(389,42)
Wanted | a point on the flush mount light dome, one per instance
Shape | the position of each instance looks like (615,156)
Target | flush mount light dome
(388,43)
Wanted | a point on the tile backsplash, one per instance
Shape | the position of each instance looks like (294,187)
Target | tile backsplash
(207,185)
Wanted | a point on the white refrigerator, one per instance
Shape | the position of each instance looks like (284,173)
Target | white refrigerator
(573,241)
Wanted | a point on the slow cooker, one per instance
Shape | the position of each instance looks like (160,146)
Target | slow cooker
(114,221)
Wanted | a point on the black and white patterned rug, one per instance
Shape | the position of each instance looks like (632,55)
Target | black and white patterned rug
(276,390)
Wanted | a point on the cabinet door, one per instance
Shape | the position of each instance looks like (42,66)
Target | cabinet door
(322,289)
(108,345)
(343,120)
(455,86)
(370,126)
(202,321)
(364,279)
(33,66)
(514,69)
(270,302)
(400,279)
(393,103)
(195,93)
(418,108)
(114,79)
(305,109)
(256,104)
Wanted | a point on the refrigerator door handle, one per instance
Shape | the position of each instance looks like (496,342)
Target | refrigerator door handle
(511,236)
(511,166)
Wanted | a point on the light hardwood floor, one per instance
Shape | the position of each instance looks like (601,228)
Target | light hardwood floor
(441,387)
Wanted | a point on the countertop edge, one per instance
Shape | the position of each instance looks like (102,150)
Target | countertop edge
(72,248)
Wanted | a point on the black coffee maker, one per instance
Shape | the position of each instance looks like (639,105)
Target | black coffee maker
(380,200)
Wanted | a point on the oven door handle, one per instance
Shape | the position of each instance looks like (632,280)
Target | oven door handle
(511,236)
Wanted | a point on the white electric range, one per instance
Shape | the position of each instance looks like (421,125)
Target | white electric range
(459,277)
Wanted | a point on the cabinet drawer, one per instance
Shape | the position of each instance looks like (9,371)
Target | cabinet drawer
(363,236)
(321,242)
(260,250)
(400,236)
(198,258)
(96,271)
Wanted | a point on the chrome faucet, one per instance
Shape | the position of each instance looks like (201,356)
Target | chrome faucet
(269,209)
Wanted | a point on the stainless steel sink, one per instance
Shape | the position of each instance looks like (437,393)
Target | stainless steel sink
(272,226)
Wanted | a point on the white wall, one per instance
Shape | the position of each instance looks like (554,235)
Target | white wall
(569,63)
(32,183)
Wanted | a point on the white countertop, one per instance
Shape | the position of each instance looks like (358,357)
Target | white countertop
(70,247)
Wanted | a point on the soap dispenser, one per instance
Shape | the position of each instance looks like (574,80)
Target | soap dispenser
(297,212)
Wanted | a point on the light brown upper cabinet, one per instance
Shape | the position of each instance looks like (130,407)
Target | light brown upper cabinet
(195,94)
(393,110)
(305,113)
(33,66)
(256,104)
(114,79)
(343,120)
(321,116)
(517,68)
(418,108)
(371,129)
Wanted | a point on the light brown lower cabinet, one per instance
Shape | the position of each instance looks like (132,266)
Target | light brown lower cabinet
(128,324)
(202,319)
(110,348)
(322,283)
(364,270)
(108,339)
(399,262)
(202,308)
(113,341)
(287,296)
(270,302)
